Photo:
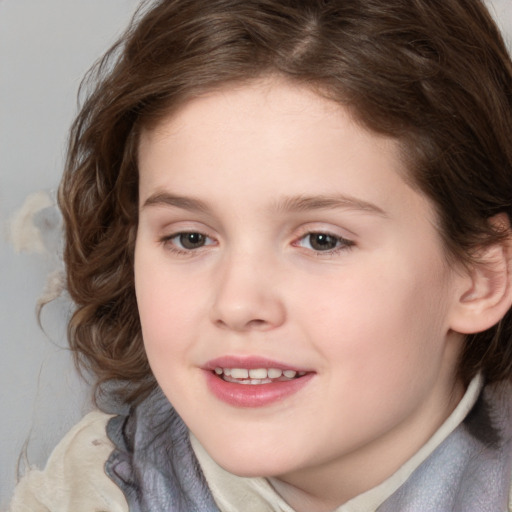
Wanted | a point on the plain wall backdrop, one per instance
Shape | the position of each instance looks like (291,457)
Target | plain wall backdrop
(46,46)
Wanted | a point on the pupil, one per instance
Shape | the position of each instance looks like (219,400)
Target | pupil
(323,242)
(192,240)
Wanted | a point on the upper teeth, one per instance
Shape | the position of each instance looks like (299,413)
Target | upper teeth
(257,373)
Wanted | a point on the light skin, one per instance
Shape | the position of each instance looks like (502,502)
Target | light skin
(307,247)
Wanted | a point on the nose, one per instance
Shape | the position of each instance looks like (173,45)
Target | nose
(248,297)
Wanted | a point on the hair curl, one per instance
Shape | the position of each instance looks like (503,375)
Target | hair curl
(435,74)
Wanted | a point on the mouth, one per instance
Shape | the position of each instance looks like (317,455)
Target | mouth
(250,382)
(257,376)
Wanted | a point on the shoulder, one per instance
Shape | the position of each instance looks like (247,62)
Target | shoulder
(74,478)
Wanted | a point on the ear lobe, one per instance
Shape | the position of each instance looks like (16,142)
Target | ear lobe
(486,288)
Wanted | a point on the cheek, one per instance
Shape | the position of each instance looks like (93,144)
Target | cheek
(167,331)
(387,317)
(167,307)
(382,342)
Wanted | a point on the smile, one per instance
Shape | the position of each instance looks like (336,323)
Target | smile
(257,376)
(251,382)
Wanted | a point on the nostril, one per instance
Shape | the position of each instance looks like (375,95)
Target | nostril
(257,323)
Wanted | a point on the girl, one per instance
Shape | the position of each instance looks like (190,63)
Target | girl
(291,221)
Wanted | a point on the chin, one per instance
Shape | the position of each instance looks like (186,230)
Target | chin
(245,465)
(253,469)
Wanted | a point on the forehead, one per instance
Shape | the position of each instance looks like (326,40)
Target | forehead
(276,137)
(259,107)
(251,104)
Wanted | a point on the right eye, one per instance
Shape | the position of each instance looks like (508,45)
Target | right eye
(187,241)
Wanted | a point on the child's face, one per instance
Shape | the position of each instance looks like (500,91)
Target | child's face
(277,233)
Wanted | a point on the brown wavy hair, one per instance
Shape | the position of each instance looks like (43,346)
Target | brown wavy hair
(434,74)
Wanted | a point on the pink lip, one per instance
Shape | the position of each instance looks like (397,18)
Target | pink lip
(252,395)
(249,362)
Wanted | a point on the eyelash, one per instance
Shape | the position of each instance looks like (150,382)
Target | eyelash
(167,241)
(342,244)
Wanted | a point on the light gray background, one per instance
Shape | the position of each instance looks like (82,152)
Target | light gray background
(45,48)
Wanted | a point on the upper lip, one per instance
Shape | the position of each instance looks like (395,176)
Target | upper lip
(251,363)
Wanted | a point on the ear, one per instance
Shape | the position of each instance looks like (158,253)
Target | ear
(484,294)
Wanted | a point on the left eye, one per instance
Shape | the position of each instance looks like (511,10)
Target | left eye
(190,240)
(323,242)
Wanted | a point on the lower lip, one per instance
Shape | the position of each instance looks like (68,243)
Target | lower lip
(254,395)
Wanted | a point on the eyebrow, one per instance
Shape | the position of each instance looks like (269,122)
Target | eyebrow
(185,203)
(288,204)
(326,202)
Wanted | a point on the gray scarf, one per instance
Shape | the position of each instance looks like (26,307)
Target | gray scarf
(154,465)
